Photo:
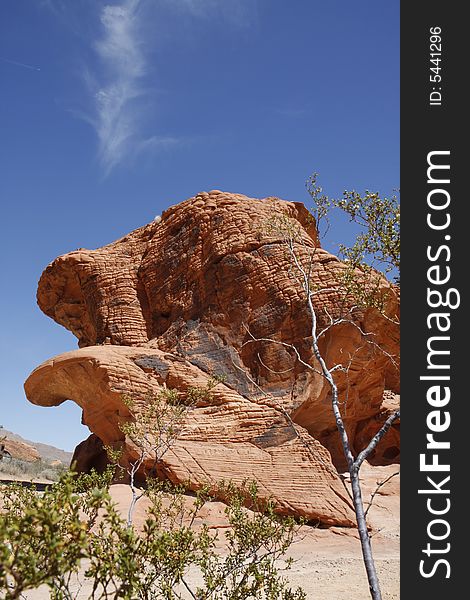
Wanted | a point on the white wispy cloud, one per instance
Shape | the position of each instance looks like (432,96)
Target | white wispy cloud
(118,87)
(117,81)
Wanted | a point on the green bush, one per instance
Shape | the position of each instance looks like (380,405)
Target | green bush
(74,529)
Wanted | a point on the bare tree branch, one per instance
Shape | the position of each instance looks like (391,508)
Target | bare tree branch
(376,491)
(361,457)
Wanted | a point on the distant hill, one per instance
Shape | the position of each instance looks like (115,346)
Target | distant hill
(47,453)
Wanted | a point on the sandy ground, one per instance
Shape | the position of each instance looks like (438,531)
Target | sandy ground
(327,562)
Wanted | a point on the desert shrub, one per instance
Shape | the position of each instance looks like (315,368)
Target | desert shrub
(74,529)
(38,469)
(42,536)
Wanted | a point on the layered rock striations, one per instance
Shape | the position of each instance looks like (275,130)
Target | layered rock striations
(196,293)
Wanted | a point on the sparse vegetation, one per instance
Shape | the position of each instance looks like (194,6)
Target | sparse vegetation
(32,470)
(74,531)
(154,431)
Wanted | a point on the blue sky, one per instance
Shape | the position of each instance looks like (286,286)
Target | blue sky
(113,110)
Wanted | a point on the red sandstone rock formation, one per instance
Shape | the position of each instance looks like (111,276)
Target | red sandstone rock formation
(182,298)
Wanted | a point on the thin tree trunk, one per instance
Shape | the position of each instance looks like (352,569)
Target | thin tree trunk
(369,563)
(358,503)
(353,466)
